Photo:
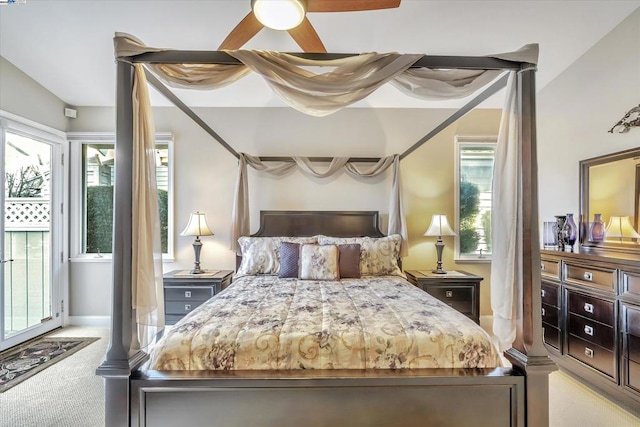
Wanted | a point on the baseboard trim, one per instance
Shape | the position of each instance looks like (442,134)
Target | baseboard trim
(94,321)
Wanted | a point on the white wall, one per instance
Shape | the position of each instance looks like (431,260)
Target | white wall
(23,96)
(576,110)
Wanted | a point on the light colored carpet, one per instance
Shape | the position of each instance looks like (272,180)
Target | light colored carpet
(69,394)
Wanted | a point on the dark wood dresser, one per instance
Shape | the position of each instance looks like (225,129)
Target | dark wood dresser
(591,319)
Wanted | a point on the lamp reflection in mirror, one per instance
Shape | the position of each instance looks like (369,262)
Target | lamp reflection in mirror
(439,227)
(620,227)
(197,226)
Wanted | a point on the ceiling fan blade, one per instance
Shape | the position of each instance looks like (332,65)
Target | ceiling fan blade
(242,33)
(307,38)
(350,5)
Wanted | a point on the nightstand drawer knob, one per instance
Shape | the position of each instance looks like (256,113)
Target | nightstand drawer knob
(588,276)
(543,312)
(448,294)
(542,293)
(588,330)
(588,352)
(187,294)
(542,267)
(187,307)
(588,307)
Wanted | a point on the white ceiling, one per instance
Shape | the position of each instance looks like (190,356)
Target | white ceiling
(66,45)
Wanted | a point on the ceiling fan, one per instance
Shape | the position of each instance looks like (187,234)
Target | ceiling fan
(290,15)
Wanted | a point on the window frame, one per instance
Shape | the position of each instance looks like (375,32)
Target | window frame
(460,141)
(76,142)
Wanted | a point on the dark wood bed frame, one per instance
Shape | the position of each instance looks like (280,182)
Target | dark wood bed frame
(515,396)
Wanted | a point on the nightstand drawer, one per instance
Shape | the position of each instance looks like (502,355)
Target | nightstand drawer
(592,355)
(458,297)
(591,331)
(550,294)
(550,315)
(184,293)
(181,307)
(595,277)
(591,307)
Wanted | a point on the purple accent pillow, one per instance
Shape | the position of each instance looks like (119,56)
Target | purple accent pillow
(289,257)
(349,261)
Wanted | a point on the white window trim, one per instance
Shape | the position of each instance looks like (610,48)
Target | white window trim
(466,139)
(76,141)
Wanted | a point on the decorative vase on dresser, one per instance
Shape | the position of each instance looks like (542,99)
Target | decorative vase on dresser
(570,231)
(591,319)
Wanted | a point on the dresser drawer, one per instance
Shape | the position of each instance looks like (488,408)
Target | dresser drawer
(181,307)
(184,293)
(593,355)
(550,268)
(550,315)
(633,348)
(633,375)
(631,284)
(594,277)
(551,335)
(631,320)
(550,294)
(591,331)
(591,307)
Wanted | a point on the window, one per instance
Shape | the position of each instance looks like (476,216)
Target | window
(95,168)
(474,165)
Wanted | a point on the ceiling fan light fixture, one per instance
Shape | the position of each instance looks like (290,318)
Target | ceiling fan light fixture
(279,14)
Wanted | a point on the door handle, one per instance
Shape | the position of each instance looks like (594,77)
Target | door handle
(3,261)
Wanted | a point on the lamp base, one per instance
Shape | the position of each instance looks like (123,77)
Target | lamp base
(197,271)
(439,271)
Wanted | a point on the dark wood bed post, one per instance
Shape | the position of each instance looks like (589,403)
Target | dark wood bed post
(120,359)
(528,352)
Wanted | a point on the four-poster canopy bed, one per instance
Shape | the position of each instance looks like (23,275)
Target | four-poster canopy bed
(137,394)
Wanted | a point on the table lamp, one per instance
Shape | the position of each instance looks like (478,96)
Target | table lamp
(197,226)
(439,227)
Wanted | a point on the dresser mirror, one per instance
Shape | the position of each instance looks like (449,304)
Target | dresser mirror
(610,187)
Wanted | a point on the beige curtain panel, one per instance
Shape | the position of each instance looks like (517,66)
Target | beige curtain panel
(319,93)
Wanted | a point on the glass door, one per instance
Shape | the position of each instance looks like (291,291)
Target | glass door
(31,171)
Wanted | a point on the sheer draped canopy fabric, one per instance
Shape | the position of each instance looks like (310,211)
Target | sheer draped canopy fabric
(349,80)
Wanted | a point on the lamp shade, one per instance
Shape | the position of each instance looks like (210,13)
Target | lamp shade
(620,226)
(197,226)
(439,227)
(279,14)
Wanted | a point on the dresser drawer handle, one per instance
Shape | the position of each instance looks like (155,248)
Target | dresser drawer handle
(187,294)
(542,267)
(588,307)
(588,330)
(448,294)
(588,352)
(187,307)
(543,312)
(543,293)
(588,276)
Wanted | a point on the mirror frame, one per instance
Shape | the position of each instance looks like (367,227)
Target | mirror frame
(584,201)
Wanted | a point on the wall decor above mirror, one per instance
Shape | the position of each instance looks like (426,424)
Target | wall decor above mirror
(610,191)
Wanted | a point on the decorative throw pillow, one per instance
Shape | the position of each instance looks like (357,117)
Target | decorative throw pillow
(289,259)
(378,256)
(261,255)
(349,263)
(318,262)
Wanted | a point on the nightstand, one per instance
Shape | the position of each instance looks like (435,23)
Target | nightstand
(458,289)
(183,291)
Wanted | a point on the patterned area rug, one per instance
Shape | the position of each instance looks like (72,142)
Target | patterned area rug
(19,364)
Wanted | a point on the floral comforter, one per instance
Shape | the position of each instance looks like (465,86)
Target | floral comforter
(268,323)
